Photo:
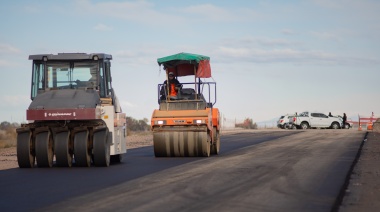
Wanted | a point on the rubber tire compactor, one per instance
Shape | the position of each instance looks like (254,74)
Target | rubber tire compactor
(75,116)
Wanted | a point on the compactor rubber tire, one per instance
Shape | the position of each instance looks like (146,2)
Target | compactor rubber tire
(81,151)
(25,157)
(44,149)
(63,157)
(101,149)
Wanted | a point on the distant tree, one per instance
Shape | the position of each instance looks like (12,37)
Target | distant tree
(8,134)
(137,125)
(5,125)
(247,124)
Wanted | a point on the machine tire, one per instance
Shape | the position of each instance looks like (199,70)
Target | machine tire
(63,154)
(25,156)
(81,151)
(101,148)
(44,149)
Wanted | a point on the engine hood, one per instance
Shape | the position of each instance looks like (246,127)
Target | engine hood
(63,99)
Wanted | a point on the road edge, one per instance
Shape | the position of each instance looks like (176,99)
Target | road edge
(342,192)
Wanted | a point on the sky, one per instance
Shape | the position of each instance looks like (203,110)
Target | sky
(268,58)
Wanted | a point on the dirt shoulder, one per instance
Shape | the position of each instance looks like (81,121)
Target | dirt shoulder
(363,191)
(8,158)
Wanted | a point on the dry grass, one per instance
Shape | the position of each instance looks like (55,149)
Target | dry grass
(7,138)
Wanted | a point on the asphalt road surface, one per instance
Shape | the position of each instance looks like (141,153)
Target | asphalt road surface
(290,170)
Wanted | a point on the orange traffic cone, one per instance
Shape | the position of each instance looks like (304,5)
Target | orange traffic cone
(369,126)
(360,127)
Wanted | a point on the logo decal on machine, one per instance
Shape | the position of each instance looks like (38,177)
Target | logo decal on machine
(59,114)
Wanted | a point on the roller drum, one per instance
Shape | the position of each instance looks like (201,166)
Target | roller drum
(181,144)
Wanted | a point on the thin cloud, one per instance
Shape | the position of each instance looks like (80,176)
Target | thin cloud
(287,32)
(288,55)
(102,27)
(10,52)
(16,100)
(210,12)
(359,10)
(139,11)
(261,42)
(148,13)
(326,36)
(275,42)
(136,57)
(126,104)
(4,63)
(7,48)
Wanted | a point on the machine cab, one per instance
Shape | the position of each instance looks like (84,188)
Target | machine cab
(71,71)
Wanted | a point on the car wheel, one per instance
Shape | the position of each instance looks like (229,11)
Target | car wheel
(304,126)
(335,125)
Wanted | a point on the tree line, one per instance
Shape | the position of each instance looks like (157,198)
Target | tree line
(247,124)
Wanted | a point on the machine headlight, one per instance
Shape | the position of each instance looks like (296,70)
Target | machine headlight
(160,122)
(199,121)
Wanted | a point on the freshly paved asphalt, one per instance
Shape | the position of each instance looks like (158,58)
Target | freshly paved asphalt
(288,170)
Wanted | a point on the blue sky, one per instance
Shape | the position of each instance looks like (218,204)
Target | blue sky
(268,58)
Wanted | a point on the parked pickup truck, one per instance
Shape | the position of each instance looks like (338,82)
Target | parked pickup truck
(306,120)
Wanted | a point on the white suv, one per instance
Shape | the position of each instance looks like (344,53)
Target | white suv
(283,121)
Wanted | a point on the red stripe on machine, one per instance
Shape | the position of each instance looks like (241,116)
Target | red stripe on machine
(62,114)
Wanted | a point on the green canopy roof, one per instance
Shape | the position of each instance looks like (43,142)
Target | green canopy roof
(185,64)
(184,57)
